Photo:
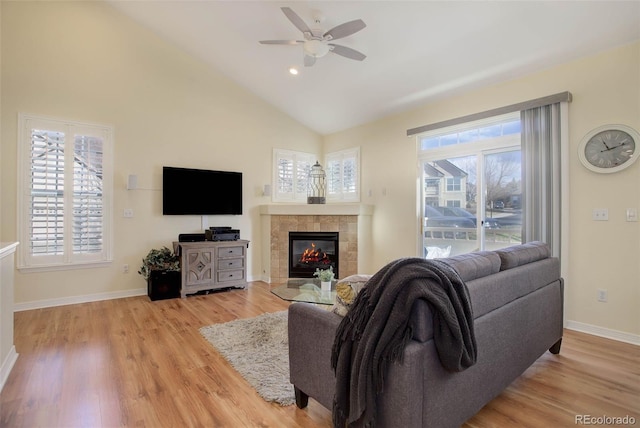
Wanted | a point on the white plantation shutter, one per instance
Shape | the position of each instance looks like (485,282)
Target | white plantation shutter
(343,175)
(64,193)
(303,168)
(46,202)
(87,195)
(291,175)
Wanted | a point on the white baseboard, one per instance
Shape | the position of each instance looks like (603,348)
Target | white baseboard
(48,303)
(7,365)
(608,333)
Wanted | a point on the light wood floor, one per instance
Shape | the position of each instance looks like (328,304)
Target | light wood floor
(132,362)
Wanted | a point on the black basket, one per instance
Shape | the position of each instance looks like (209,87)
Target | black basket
(163,284)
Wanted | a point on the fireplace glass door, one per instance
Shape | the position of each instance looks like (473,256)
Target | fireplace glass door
(309,251)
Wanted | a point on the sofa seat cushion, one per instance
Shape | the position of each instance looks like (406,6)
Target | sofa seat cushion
(519,255)
(346,291)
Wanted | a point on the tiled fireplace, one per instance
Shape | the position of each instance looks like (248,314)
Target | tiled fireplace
(351,221)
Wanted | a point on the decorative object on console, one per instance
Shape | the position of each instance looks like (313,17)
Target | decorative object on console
(222,233)
(161,269)
(609,148)
(317,185)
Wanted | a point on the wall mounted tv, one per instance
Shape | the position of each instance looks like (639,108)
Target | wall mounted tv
(188,191)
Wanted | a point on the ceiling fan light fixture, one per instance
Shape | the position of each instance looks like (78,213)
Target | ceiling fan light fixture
(316,48)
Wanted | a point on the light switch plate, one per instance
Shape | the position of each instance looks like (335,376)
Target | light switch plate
(632,214)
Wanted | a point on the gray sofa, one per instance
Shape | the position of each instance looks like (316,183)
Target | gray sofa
(517,299)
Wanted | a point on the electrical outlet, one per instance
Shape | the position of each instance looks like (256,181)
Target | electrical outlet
(602,295)
(128,213)
(125,268)
(600,214)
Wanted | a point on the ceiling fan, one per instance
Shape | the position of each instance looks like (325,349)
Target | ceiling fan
(316,42)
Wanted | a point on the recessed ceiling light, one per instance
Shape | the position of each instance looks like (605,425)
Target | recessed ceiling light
(293,71)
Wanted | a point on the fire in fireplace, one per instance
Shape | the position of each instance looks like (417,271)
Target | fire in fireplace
(309,251)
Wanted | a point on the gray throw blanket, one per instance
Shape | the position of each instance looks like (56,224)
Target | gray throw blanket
(376,330)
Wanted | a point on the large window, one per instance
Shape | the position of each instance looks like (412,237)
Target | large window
(472,186)
(64,188)
(526,179)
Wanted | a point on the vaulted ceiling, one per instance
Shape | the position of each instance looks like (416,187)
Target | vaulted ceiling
(417,51)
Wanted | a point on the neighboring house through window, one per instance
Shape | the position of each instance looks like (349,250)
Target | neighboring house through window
(64,193)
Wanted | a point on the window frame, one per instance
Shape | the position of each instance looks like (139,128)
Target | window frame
(68,259)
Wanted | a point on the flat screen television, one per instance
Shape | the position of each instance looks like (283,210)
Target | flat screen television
(187,191)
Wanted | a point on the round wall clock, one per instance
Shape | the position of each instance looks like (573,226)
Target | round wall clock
(609,148)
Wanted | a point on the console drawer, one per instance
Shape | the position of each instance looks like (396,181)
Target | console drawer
(230,252)
(231,275)
(230,264)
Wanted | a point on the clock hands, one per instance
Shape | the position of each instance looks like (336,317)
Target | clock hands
(610,148)
(605,144)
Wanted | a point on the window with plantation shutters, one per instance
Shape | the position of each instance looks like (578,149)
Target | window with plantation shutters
(64,193)
(291,175)
(343,175)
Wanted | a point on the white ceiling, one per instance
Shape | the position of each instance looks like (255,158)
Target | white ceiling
(417,51)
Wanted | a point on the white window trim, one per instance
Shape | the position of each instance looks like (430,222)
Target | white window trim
(25,261)
(341,156)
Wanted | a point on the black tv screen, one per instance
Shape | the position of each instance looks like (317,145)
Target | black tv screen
(188,191)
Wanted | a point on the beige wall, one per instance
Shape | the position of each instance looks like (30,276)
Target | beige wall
(84,61)
(606,89)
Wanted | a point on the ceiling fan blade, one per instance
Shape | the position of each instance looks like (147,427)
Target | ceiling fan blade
(309,60)
(344,30)
(347,52)
(296,20)
(281,42)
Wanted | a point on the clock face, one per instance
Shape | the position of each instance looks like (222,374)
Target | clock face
(609,148)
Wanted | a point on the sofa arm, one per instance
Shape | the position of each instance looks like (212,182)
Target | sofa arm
(312,331)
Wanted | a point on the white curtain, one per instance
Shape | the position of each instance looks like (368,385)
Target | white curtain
(541,199)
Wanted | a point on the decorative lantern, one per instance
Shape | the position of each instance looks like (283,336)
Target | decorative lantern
(316,190)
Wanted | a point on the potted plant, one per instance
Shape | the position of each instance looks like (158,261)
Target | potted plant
(161,269)
(325,276)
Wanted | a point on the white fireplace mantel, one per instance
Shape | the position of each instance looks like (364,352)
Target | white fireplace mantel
(316,209)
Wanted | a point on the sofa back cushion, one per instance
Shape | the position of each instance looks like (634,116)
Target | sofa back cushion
(475,265)
(519,255)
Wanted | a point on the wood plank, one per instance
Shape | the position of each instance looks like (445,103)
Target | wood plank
(134,362)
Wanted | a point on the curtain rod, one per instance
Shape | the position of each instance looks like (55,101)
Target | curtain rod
(538,102)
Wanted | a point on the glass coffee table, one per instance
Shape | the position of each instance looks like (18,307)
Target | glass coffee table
(306,290)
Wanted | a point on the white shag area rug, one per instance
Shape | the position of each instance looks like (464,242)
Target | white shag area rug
(258,348)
